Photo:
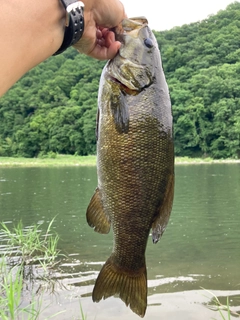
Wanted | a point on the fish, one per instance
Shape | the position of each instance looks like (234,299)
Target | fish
(135,162)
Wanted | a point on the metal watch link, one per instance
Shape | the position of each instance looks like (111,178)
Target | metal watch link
(74,25)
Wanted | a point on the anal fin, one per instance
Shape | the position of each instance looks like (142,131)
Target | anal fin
(162,217)
(96,216)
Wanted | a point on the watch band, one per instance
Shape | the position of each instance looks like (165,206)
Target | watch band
(75,23)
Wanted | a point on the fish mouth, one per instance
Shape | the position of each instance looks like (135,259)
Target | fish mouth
(125,72)
(131,77)
(130,69)
(124,88)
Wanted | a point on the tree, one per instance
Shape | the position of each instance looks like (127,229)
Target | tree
(54,106)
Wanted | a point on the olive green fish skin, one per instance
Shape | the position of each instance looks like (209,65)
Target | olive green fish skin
(135,157)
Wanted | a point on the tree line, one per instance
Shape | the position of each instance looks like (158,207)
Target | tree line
(52,109)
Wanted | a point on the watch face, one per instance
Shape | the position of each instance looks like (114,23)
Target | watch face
(75,6)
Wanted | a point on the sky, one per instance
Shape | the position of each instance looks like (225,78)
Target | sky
(164,15)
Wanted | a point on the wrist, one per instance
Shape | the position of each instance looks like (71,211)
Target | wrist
(74,23)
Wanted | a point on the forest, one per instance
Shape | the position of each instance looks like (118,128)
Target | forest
(52,109)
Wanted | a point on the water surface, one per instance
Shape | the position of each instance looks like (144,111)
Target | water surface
(200,247)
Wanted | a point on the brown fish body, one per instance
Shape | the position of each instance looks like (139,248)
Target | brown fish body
(135,163)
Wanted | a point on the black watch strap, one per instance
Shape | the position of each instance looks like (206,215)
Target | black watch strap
(75,23)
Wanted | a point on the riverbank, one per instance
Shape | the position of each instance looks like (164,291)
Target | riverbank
(69,160)
(58,161)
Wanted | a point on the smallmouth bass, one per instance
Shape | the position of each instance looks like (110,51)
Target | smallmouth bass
(135,162)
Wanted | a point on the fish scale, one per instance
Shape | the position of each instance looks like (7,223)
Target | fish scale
(135,162)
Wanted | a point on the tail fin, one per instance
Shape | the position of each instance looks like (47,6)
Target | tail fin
(130,286)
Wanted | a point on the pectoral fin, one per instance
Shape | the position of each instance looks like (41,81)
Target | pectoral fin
(119,109)
(160,223)
(96,216)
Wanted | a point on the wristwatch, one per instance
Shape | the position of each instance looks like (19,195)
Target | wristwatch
(74,23)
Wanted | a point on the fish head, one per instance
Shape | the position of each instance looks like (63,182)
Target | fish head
(135,64)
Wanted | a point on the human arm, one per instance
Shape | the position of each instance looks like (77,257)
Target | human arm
(33,31)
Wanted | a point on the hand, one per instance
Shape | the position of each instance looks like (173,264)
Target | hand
(99,44)
(97,40)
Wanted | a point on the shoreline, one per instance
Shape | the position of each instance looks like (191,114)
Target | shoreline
(71,161)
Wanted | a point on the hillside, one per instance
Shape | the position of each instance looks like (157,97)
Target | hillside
(53,107)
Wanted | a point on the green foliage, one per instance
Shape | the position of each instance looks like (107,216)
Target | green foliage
(52,109)
(216,305)
(31,244)
(202,62)
(25,250)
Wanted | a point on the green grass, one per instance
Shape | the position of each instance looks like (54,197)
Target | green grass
(84,317)
(34,248)
(70,160)
(23,247)
(216,305)
(188,160)
(31,244)
(10,291)
(58,161)
(11,287)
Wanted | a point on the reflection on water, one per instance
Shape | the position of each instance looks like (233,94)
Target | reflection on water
(200,247)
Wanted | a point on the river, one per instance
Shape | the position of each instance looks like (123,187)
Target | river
(199,249)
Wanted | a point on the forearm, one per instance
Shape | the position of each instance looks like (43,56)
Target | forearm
(31,31)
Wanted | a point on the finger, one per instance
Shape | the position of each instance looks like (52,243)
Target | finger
(101,42)
(109,37)
(113,49)
(99,33)
(104,53)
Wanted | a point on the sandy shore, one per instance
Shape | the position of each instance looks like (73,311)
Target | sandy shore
(187,305)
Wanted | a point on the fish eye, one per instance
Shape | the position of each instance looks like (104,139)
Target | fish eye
(148,43)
